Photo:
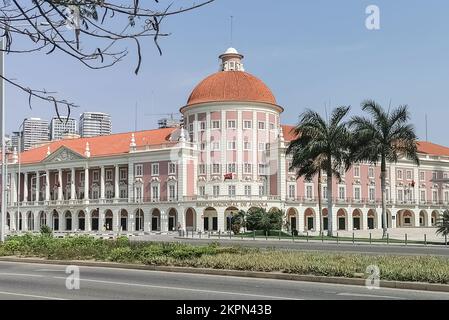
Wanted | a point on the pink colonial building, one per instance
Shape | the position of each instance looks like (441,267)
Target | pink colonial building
(229,156)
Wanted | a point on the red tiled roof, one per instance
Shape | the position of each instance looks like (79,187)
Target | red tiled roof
(423,146)
(432,149)
(100,146)
(287,130)
(231,86)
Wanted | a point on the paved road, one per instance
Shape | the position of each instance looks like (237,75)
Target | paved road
(363,248)
(39,281)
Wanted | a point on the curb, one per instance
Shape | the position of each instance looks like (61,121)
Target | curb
(422,286)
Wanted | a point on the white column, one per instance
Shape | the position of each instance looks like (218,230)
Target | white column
(164,220)
(88,220)
(25,187)
(60,185)
(364,219)
(62,222)
(36,221)
(75,221)
(224,150)
(37,186)
(146,221)
(350,221)
(208,150)
(47,185)
(116,220)
(255,146)
(102,182)
(393,183)
(221,220)
(13,197)
(239,147)
(102,221)
(131,191)
(86,183)
(72,184)
(116,183)
(132,221)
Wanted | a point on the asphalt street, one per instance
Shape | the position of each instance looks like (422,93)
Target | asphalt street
(48,282)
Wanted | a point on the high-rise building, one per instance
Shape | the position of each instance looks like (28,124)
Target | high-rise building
(35,132)
(59,128)
(95,124)
(15,143)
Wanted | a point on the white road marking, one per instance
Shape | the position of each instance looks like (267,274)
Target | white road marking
(368,295)
(21,274)
(184,289)
(29,295)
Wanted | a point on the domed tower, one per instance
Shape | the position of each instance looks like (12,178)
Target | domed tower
(233,117)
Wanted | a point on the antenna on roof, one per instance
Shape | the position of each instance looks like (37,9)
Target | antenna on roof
(232,30)
(427,137)
(135,117)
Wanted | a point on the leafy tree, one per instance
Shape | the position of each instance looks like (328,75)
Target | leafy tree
(443,224)
(322,144)
(96,33)
(384,137)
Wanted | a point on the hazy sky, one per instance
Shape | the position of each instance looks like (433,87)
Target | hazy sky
(309,52)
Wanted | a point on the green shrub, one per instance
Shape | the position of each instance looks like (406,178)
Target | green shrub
(46,230)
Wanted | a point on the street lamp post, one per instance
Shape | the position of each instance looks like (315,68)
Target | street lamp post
(2,116)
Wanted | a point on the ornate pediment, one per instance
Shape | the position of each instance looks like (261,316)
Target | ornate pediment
(63,154)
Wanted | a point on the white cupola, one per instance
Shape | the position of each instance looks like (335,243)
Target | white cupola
(231,60)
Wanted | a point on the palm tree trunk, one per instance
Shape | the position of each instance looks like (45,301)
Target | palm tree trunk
(319,201)
(329,202)
(383,174)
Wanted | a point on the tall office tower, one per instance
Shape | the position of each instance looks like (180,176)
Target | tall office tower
(60,128)
(35,132)
(95,124)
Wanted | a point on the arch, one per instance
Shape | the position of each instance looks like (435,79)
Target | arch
(172,219)
(156,220)
(190,219)
(228,213)
(68,220)
(324,219)
(123,219)
(372,219)
(8,220)
(42,219)
(357,219)
(309,219)
(30,220)
(108,220)
(434,218)
(81,220)
(292,219)
(210,219)
(19,221)
(405,218)
(55,220)
(139,217)
(95,220)
(423,218)
(342,219)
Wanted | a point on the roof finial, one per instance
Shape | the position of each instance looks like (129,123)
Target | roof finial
(48,151)
(133,145)
(87,151)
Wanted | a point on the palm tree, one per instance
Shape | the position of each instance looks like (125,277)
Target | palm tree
(443,224)
(321,145)
(386,136)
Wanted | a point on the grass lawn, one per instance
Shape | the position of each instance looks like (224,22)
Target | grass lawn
(404,268)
